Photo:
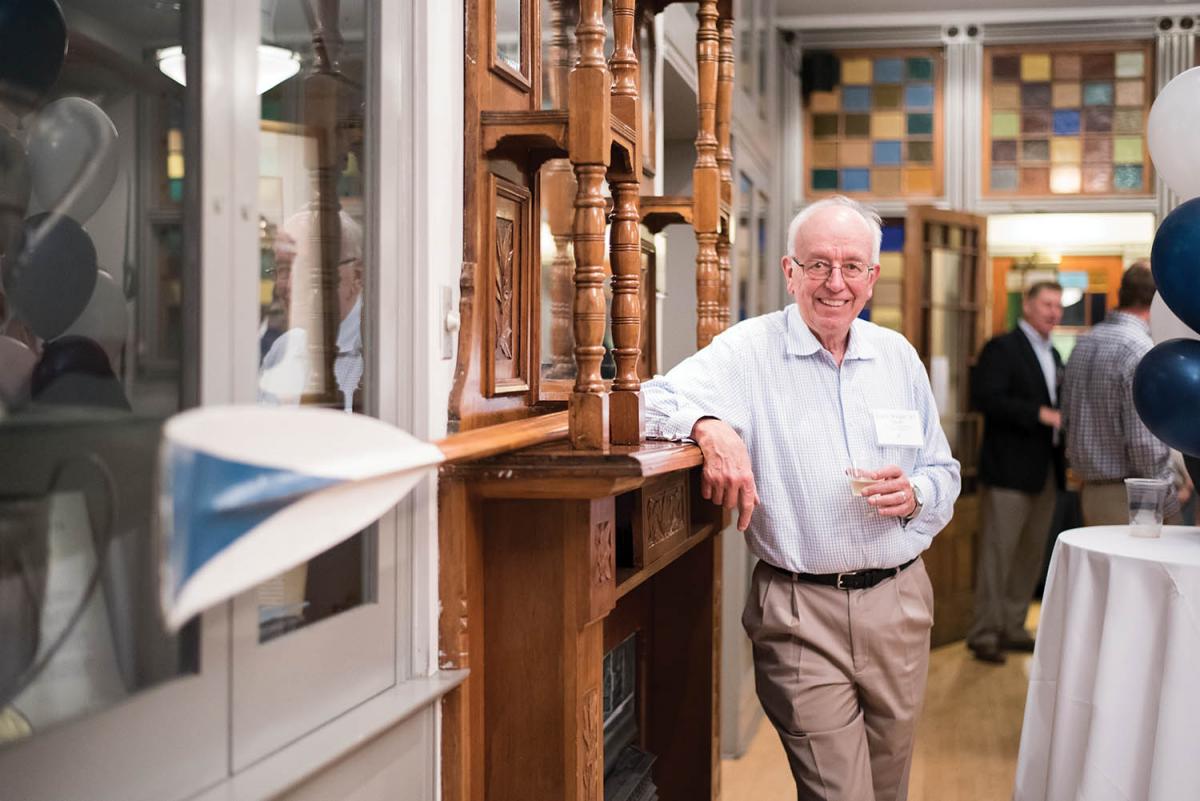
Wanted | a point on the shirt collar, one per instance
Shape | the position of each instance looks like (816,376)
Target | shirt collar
(1034,337)
(1125,318)
(801,341)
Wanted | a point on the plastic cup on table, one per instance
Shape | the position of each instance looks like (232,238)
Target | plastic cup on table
(1147,497)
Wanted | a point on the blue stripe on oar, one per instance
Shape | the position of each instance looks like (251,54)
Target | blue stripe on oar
(215,501)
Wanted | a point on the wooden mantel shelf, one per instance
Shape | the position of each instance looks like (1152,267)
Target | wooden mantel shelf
(556,470)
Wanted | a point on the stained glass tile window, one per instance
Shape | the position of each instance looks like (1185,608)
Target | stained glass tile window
(1067,119)
(879,133)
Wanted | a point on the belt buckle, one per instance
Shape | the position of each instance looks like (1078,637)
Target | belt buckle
(841,576)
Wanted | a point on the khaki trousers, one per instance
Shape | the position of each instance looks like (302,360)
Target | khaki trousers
(1105,504)
(1012,547)
(841,675)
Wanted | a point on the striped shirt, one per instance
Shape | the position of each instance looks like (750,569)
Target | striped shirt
(804,421)
(1106,440)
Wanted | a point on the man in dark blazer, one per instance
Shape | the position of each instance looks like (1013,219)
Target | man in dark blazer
(1015,384)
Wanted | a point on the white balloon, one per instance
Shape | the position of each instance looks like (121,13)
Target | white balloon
(105,319)
(16,369)
(1165,325)
(1171,133)
(73,157)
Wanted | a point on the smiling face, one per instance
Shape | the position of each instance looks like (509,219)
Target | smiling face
(839,236)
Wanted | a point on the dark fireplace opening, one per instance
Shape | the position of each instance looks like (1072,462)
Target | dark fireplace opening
(627,768)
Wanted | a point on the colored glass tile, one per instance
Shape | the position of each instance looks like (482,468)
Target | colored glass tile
(918,95)
(1097,150)
(1097,178)
(1127,121)
(892,239)
(858,125)
(919,69)
(920,151)
(1066,123)
(825,154)
(1098,93)
(887,153)
(1006,95)
(1067,95)
(1005,124)
(918,181)
(1127,177)
(824,179)
(889,70)
(825,125)
(1131,64)
(825,101)
(856,154)
(1097,65)
(1130,93)
(1035,180)
(1067,67)
(856,180)
(1035,66)
(1036,122)
(1004,179)
(1035,150)
(1127,150)
(888,96)
(920,124)
(1006,68)
(885,181)
(1097,120)
(856,98)
(1065,150)
(887,125)
(1035,95)
(1065,180)
(1004,150)
(856,71)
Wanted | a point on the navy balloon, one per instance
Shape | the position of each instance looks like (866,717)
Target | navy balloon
(33,43)
(1166,393)
(50,275)
(1175,261)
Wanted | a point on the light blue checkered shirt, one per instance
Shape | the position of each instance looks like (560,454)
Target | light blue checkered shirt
(803,419)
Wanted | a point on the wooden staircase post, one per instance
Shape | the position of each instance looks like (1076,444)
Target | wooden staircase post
(725,152)
(706,178)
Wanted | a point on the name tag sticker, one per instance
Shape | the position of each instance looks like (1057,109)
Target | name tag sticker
(900,427)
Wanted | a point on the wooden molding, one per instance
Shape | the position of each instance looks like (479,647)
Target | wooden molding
(659,211)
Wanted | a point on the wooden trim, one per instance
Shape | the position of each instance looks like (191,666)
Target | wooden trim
(985,128)
(493,440)
(521,79)
(938,137)
(521,294)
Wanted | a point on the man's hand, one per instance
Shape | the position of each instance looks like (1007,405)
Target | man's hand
(727,479)
(1049,417)
(892,493)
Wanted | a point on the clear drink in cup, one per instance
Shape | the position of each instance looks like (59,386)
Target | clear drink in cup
(1147,497)
(859,480)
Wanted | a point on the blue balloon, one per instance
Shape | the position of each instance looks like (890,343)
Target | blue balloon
(1175,261)
(1166,393)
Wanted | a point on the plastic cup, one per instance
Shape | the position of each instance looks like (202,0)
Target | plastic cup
(1147,497)
(859,480)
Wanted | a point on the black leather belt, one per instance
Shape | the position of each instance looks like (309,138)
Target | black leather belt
(854,580)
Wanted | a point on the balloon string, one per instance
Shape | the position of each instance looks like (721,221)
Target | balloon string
(84,179)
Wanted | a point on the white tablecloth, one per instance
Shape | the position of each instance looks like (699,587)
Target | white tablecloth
(1113,710)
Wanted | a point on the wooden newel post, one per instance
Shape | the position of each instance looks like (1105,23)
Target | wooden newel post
(724,150)
(706,179)
(590,142)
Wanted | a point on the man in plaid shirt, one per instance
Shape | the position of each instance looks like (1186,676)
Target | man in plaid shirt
(1106,440)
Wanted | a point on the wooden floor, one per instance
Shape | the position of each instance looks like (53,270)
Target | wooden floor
(967,740)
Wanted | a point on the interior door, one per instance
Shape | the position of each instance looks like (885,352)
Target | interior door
(945,286)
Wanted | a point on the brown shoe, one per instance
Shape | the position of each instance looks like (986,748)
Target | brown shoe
(987,652)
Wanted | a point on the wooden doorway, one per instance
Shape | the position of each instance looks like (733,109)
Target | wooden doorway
(945,295)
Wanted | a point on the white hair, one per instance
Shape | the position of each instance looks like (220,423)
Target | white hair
(869,215)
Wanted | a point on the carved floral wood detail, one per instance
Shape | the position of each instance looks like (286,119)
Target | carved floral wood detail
(666,514)
(504,288)
(593,739)
(603,554)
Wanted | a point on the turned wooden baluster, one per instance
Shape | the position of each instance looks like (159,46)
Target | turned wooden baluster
(706,179)
(558,198)
(559,62)
(590,141)
(624,63)
(724,151)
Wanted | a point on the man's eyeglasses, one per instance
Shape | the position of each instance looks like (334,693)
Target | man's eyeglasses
(820,270)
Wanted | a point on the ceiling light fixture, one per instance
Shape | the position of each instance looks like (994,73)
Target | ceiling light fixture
(275,65)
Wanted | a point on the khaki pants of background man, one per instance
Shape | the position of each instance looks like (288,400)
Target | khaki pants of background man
(841,675)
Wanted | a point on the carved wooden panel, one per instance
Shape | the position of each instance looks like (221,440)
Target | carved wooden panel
(664,521)
(597,568)
(592,747)
(507,290)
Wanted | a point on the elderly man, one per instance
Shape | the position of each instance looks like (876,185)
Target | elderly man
(840,606)
(1015,385)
